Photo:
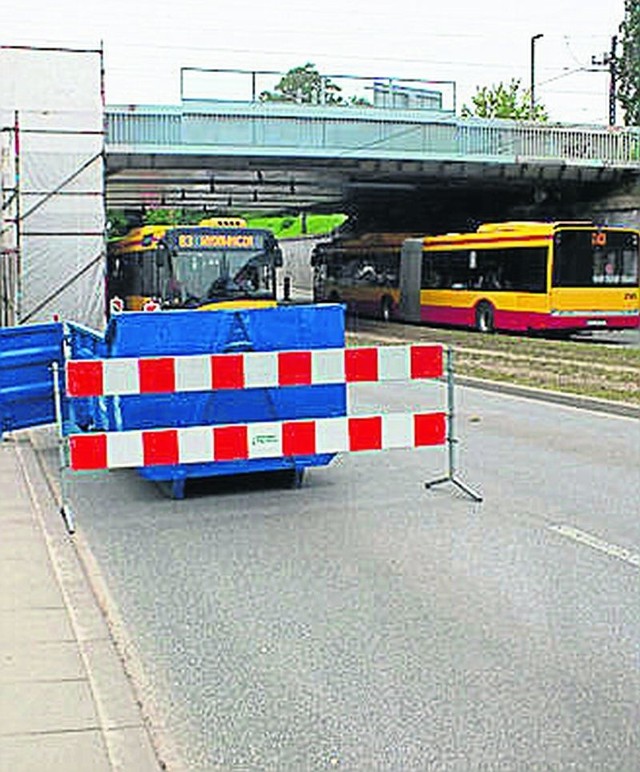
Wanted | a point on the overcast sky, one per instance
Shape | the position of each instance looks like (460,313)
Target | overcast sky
(472,43)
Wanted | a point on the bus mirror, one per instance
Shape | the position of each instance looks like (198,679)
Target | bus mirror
(277,258)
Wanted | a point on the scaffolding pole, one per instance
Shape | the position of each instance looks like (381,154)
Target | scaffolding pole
(17,300)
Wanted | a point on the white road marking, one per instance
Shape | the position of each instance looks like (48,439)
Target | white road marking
(613,550)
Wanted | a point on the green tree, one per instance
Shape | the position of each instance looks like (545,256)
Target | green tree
(504,101)
(305,85)
(173,216)
(628,64)
(117,223)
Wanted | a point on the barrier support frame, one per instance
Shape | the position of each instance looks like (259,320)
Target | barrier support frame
(65,509)
(451,439)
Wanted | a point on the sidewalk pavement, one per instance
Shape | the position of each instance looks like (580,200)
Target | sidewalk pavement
(66,702)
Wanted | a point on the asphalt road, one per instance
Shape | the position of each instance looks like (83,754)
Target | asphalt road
(365,623)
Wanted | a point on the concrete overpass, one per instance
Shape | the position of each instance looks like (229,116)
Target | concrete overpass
(401,163)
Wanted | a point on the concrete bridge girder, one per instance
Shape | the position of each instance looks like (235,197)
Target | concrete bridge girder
(305,157)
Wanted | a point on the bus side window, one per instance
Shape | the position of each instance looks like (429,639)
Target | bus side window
(434,270)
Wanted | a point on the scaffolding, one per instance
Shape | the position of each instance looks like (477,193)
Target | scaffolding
(52,226)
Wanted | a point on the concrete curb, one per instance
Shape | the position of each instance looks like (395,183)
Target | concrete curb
(624,409)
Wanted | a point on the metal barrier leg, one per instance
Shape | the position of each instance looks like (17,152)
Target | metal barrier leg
(177,487)
(65,509)
(451,440)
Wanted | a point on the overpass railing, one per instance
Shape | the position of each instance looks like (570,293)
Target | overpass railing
(357,132)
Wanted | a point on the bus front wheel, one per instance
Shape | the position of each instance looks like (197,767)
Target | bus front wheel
(484,317)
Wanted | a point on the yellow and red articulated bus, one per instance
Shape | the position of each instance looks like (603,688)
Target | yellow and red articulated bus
(363,272)
(219,263)
(515,276)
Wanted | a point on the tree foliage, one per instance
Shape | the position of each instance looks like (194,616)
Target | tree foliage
(504,101)
(305,85)
(628,64)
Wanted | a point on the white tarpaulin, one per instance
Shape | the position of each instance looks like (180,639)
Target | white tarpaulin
(51,102)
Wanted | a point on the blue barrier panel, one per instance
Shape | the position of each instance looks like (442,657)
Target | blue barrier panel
(26,381)
(85,343)
(175,333)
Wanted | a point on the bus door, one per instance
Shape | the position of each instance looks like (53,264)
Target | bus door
(410,280)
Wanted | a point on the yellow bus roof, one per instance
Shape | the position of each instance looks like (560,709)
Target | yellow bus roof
(147,236)
(534,233)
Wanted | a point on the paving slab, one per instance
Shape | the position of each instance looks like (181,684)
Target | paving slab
(55,752)
(62,706)
(34,625)
(50,661)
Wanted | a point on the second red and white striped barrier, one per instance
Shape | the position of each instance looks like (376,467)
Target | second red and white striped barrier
(274,439)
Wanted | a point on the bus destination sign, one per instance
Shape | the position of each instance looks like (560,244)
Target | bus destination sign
(223,239)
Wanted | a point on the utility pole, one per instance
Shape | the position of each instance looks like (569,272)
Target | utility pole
(532,92)
(610,60)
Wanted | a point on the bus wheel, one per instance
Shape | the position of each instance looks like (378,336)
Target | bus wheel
(484,317)
(385,309)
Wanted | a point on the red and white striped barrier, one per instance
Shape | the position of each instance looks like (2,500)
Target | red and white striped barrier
(268,369)
(200,444)
(291,439)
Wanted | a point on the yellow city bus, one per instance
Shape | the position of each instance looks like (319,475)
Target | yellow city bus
(558,277)
(217,263)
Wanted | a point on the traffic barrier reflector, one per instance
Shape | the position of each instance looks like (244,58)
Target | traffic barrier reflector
(265,369)
(201,444)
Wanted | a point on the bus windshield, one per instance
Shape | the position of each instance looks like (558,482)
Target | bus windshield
(191,277)
(586,258)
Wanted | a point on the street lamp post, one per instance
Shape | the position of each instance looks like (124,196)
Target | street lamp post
(610,60)
(533,72)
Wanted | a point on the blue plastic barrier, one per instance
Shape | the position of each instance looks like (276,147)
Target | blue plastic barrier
(26,380)
(175,333)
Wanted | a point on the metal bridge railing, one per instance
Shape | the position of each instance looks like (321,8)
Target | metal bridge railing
(616,146)
(281,128)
